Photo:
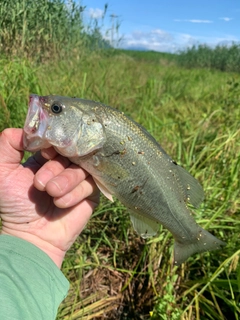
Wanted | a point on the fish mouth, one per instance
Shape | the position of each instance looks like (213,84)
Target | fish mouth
(35,125)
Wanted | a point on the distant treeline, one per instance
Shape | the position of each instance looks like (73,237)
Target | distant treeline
(45,27)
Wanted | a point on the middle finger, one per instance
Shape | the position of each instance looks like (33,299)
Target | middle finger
(66,181)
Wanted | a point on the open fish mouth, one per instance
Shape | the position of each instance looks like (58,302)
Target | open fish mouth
(35,125)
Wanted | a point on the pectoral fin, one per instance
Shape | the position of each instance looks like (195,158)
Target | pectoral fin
(103,189)
(145,227)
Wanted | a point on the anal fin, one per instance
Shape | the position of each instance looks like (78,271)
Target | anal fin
(145,227)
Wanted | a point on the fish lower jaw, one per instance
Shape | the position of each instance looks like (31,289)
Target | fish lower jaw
(34,144)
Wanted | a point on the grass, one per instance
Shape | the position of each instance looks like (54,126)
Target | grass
(221,57)
(150,56)
(46,28)
(194,114)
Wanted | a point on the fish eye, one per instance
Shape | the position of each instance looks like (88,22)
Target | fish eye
(56,108)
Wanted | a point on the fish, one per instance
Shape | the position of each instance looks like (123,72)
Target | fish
(126,162)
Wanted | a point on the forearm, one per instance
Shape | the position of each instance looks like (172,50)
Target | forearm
(56,254)
(31,285)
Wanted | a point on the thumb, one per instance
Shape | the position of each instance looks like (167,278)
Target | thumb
(11,146)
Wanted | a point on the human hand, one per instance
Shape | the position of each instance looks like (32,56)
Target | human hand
(47,203)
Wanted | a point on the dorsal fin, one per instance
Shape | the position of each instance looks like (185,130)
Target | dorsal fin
(191,187)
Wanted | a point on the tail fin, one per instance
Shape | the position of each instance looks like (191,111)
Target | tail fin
(206,242)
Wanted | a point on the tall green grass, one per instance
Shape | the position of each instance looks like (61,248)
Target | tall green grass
(46,29)
(194,114)
(221,57)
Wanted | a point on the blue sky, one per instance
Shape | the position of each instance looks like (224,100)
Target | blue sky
(168,25)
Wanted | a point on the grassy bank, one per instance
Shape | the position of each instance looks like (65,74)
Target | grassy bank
(190,106)
(194,114)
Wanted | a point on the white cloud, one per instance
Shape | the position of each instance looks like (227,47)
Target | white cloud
(226,19)
(95,13)
(157,39)
(161,40)
(193,21)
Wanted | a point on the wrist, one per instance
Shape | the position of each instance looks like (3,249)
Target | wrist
(56,254)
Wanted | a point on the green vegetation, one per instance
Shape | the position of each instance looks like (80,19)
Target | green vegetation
(194,114)
(224,58)
(150,56)
(45,28)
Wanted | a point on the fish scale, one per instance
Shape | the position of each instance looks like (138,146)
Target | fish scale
(146,166)
(126,162)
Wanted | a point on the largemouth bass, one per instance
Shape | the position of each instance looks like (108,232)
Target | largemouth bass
(125,161)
